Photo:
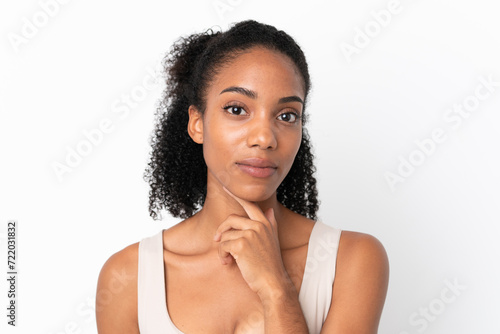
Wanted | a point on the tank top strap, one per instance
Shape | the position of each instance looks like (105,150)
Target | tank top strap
(151,303)
(317,284)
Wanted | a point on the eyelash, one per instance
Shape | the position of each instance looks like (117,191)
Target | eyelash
(297,116)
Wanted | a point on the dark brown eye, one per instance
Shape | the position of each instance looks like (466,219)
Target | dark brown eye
(289,115)
(234,110)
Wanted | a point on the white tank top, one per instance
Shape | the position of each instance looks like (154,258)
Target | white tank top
(314,296)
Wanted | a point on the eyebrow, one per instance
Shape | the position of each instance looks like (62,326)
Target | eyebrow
(253,95)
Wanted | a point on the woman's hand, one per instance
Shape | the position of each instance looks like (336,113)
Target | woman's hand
(252,242)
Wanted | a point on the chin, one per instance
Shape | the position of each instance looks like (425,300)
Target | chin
(254,192)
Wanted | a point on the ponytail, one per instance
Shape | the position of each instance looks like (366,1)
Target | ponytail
(181,62)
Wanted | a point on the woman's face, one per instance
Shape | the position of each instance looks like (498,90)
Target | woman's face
(253,110)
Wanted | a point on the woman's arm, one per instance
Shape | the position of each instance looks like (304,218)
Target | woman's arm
(282,311)
(360,286)
(254,244)
(116,295)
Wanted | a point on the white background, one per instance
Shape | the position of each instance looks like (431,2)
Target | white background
(440,225)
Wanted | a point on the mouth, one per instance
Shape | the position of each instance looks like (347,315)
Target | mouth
(256,171)
(255,166)
(257,163)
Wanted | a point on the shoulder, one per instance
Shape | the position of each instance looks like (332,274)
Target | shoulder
(360,286)
(361,262)
(116,295)
(361,249)
(296,230)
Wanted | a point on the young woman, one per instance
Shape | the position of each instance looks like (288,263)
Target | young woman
(231,156)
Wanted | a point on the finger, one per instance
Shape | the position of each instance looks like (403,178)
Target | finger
(228,250)
(272,219)
(253,210)
(228,241)
(233,222)
(237,234)
(225,257)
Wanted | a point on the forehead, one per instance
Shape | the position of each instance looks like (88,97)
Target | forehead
(261,70)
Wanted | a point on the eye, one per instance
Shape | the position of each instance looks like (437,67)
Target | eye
(295,117)
(234,110)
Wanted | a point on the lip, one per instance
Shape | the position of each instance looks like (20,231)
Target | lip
(257,162)
(257,171)
(257,167)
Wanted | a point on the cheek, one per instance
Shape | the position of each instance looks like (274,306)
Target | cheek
(293,146)
(220,144)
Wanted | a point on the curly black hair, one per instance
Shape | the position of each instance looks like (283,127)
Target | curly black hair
(177,172)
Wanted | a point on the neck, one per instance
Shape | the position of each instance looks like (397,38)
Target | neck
(219,205)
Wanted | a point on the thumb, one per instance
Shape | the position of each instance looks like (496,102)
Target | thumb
(270,216)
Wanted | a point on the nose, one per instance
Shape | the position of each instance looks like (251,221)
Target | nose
(262,135)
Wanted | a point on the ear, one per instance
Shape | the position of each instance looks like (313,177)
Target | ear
(195,125)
